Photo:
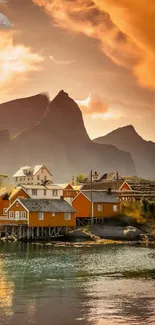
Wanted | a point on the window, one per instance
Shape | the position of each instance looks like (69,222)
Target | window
(44,192)
(11,214)
(28,179)
(38,177)
(42,169)
(99,207)
(40,216)
(67,216)
(16,179)
(55,192)
(53,214)
(4,212)
(45,178)
(115,208)
(23,215)
(34,191)
(21,179)
(17,204)
(32,178)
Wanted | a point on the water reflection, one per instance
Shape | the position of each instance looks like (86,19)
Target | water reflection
(6,292)
(96,285)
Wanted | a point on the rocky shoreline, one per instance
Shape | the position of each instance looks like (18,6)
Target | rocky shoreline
(97,235)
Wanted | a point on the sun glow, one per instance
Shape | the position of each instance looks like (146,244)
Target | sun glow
(105,116)
(84,102)
(15,59)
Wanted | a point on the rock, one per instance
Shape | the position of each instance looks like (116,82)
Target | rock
(117,232)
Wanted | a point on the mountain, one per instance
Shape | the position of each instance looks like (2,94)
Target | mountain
(142,151)
(18,114)
(60,141)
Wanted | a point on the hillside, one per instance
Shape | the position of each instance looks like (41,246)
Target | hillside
(19,114)
(142,151)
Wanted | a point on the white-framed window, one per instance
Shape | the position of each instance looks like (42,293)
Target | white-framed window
(4,212)
(34,191)
(55,192)
(40,215)
(53,214)
(99,207)
(23,215)
(11,214)
(17,204)
(67,216)
(115,208)
(44,192)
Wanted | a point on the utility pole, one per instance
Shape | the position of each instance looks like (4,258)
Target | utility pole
(117,180)
(91,196)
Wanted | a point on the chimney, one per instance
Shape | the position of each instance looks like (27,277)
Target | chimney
(109,190)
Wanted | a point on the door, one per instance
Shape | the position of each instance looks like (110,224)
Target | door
(17,215)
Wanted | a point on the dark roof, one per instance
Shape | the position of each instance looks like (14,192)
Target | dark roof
(101,196)
(45,205)
(103,185)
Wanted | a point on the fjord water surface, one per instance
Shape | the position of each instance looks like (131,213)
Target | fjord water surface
(96,285)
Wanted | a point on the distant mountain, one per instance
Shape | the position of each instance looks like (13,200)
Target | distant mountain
(19,114)
(60,141)
(142,151)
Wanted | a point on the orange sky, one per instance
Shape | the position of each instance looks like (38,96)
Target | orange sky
(100,52)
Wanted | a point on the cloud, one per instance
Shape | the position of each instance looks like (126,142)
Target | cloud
(15,60)
(4,22)
(94,107)
(61,62)
(124,30)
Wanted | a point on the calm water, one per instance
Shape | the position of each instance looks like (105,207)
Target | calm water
(67,286)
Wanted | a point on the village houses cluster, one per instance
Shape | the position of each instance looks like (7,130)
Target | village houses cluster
(34,206)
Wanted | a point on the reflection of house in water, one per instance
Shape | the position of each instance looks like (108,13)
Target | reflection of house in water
(6,293)
(42,295)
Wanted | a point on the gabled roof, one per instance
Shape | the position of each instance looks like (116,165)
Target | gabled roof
(101,196)
(45,205)
(114,185)
(33,171)
(41,187)
(15,191)
(64,185)
(37,168)
(20,171)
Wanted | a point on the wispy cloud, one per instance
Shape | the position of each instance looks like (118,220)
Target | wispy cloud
(119,27)
(61,62)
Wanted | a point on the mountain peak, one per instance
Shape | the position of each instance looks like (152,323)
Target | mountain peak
(62,95)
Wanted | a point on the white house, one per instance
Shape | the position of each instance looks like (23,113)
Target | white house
(43,192)
(32,175)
